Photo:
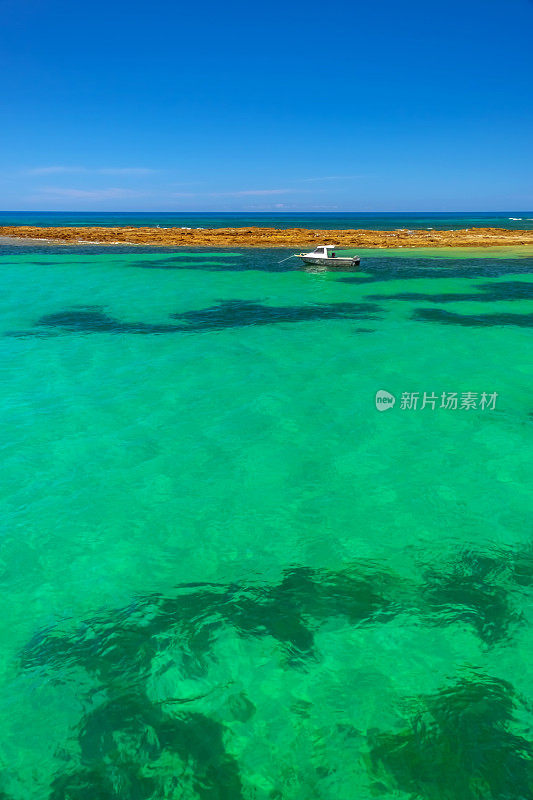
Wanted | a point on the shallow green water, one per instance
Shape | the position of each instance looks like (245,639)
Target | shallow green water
(225,574)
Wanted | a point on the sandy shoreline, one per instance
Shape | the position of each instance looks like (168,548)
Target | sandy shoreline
(269,237)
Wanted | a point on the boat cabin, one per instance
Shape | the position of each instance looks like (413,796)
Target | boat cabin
(324,251)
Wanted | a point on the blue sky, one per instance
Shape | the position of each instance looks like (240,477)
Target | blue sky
(359,106)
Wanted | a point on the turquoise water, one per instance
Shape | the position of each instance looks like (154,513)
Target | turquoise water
(512,220)
(227,575)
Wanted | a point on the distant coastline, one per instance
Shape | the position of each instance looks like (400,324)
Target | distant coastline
(268,237)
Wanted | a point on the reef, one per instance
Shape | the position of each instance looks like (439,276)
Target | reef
(271,237)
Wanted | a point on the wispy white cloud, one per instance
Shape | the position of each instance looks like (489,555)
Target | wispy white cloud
(113,193)
(248,192)
(331,178)
(64,170)
(125,171)
(52,170)
(187,183)
(239,193)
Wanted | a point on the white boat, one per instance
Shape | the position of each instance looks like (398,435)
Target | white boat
(326,257)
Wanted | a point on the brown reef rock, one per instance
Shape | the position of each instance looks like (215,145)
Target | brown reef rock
(272,237)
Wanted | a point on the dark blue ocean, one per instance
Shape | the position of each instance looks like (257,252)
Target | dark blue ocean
(512,220)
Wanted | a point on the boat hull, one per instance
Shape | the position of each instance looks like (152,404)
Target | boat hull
(332,263)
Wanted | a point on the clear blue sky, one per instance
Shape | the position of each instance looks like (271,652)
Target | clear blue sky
(361,106)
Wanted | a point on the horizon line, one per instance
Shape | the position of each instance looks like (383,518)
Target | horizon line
(271,212)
